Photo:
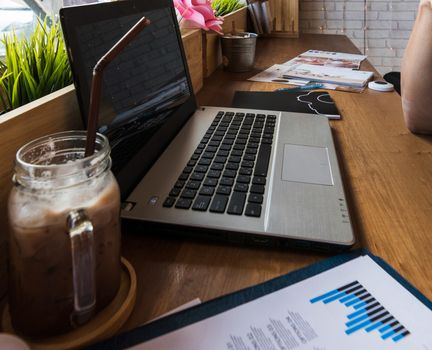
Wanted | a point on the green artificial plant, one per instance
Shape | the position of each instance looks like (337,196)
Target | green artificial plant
(33,67)
(224,7)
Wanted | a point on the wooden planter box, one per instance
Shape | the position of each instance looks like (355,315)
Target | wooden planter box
(285,23)
(285,15)
(193,47)
(212,55)
(57,112)
(52,113)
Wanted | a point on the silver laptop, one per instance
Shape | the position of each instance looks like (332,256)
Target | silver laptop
(245,176)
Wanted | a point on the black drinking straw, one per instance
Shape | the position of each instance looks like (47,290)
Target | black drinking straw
(96,84)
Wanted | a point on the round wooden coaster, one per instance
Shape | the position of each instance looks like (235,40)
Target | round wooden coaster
(104,325)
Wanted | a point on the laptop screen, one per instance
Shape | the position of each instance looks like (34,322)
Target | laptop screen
(145,88)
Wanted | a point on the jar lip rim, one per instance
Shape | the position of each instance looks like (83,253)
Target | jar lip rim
(63,134)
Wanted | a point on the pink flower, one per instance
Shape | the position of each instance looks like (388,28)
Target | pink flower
(198,14)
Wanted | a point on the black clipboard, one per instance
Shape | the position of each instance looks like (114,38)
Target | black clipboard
(213,307)
(318,103)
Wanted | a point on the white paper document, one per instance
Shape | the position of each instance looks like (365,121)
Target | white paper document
(329,59)
(274,74)
(339,76)
(356,305)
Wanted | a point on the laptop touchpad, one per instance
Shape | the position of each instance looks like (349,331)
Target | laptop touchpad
(307,164)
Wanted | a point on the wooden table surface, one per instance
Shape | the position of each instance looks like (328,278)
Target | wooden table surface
(387,173)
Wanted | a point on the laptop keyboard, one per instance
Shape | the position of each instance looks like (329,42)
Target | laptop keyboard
(227,173)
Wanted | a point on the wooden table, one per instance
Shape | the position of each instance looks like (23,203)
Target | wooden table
(387,173)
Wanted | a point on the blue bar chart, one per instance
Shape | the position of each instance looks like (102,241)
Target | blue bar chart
(365,313)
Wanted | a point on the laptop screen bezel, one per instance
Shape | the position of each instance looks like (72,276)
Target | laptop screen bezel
(73,17)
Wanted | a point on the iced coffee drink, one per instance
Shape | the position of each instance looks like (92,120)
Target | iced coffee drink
(51,260)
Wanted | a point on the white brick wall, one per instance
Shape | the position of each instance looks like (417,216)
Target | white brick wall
(388,23)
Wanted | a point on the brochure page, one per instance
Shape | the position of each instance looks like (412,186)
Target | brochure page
(356,305)
(340,76)
(329,59)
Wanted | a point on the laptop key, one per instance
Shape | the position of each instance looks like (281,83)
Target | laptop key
(247,164)
(201,168)
(253,210)
(197,176)
(219,203)
(188,193)
(226,181)
(220,159)
(205,161)
(214,174)
(234,159)
(245,171)
(201,203)
(209,155)
(239,187)
(175,192)
(193,185)
(169,202)
(250,157)
(263,160)
(230,173)
(179,184)
(187,169)
(259,180)
(183,203)
(244,179)
(236,203)
(255,198)
(222,153)
(217,166)
(183,176)
(206,191)
(259,189)
(210,182)
(237,152)
(224,190)
(214,143)
(232,166)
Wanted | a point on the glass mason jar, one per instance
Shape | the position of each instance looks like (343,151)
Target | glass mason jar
(64,234)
